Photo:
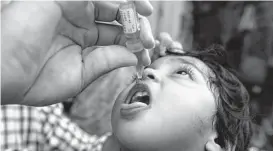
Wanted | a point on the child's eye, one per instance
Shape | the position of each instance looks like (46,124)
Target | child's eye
(185,72)
(182,72)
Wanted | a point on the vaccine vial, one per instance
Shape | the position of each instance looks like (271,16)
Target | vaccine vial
(131,27)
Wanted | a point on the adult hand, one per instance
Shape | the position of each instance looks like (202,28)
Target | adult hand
(92,108)
(47,53)
(165,44)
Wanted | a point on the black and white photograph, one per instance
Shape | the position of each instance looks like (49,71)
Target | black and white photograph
(136,75)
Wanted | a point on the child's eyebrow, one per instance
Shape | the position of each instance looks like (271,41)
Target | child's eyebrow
(184,61)
(180,54)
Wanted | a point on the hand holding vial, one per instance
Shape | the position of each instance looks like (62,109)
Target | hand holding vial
(132,24)
(51,52)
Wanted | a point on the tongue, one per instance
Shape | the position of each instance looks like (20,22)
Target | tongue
(141,99)
(134,105)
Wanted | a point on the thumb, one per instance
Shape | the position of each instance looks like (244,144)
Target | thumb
(102,60)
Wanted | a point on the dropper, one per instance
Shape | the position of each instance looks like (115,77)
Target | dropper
(140,66)
(131,28)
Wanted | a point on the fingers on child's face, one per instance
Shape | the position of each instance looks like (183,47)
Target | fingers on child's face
(165,39)
(165,43)
(176,45)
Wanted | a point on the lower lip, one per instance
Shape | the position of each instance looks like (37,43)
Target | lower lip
(128,111)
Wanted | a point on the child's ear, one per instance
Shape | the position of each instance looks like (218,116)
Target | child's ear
(211,145)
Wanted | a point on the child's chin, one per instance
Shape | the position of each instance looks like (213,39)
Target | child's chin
(134,142)
(134,138)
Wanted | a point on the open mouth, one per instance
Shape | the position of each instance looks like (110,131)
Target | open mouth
(138,100)
(139,94)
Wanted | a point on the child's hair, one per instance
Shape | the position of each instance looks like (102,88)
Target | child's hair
(232,119)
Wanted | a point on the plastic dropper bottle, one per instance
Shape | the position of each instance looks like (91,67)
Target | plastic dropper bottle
(131,28)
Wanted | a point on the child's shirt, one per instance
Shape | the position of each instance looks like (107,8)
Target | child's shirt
(28,128)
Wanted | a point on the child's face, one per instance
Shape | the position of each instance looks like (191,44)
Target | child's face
(171,108)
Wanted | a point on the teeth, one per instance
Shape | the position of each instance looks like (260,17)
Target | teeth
(137,96)
(145,93)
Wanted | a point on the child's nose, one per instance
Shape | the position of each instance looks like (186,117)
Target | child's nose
(151,74)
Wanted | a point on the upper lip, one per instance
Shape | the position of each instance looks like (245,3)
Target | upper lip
(136,88)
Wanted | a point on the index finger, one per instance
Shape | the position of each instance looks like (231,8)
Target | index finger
(144,7)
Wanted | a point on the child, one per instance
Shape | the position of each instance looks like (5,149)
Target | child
(185,101)
(188,101)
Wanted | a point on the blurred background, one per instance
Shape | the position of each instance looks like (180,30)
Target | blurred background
(245,29)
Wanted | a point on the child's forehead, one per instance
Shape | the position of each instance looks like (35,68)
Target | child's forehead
(176,60)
